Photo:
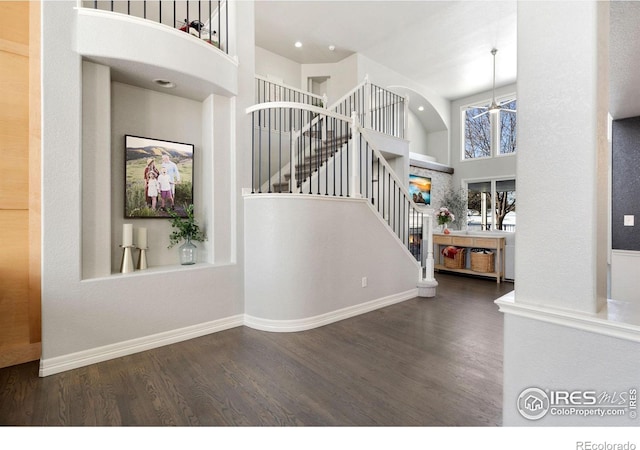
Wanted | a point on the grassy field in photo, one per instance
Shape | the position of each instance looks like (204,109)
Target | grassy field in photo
(135,204)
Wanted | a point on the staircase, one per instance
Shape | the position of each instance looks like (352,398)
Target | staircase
(302,149)
(319,152)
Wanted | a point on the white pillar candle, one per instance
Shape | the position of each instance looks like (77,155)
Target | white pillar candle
(127,235)
(142,238)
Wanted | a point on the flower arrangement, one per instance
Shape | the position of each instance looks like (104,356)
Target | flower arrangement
(186,229)
(444,216)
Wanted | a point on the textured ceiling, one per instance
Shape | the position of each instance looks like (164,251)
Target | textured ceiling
(443,45)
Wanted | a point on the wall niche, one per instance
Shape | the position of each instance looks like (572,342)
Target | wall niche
(112,109)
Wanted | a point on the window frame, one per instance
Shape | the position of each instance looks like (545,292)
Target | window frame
(493,192)
(494,130)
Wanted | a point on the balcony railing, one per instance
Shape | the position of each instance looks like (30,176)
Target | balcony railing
(378,109)
(206,20)
(270,91)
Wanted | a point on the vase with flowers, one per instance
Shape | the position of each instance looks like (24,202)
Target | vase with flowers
(186,229)
(444,216)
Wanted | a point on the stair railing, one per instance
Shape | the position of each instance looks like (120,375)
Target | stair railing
(291,142)
(333,158)
(411,223)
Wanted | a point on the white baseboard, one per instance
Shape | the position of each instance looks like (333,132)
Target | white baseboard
(308,323)
(63,363)
(83,358)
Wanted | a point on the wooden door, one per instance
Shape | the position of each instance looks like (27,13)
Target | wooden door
(20,333)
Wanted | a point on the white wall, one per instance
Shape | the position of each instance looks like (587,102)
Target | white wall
(417,136)
(343,240)
(88,320)
(625,265)
(554,357)
(385,77)
(438,146)
(342,77)
(269,63)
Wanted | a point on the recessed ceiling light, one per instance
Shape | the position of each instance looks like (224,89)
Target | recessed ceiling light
(332,47)
(420,108)
(164,83)
(298,44)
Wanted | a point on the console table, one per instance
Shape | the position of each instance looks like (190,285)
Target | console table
(470,241)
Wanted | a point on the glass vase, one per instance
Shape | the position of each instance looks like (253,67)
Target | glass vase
(188,253)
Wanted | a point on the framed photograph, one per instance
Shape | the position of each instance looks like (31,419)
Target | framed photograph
(158,177)
(420,189)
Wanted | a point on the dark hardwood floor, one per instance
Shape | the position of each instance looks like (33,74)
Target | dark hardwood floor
(423,362)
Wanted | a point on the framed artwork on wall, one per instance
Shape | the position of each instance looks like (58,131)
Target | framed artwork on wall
(158,177)
(420,189)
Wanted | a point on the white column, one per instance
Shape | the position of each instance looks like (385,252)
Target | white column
(405,119)
(562,119)
(561,240)
(366,114)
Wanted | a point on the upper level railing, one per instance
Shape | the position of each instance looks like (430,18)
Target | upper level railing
(270,91)
(378,109)
(206,20)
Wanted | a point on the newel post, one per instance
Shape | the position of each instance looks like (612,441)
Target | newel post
(354,176)
(427,283)
(368,102)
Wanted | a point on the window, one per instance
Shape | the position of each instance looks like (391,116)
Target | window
(492,202)
(489,133)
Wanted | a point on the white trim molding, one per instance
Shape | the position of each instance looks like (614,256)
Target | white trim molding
(619,319)
(51,366)
(63,363)
(308,323)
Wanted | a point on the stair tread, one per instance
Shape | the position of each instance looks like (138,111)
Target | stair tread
(311,163)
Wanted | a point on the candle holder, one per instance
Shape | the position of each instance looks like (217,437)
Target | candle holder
(142,258)
(126,266)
